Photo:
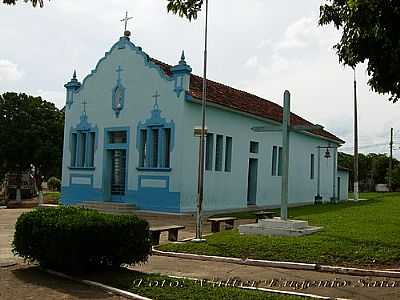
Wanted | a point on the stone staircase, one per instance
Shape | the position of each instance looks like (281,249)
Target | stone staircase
(110,207)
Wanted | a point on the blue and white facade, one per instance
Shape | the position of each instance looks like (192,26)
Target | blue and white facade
(129,138)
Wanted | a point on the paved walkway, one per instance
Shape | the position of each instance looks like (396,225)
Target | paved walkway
(8,217)
(263,275)
(224,271)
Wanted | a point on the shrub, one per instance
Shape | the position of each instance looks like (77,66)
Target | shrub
(54,184)
(76,239)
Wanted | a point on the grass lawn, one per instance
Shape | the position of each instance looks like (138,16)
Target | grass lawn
(51,197)
(364,234)
(187,289)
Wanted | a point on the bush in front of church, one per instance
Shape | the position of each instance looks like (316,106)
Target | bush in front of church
(75,239)
(54,184)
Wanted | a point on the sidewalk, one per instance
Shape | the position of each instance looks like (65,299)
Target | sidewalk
(224,271)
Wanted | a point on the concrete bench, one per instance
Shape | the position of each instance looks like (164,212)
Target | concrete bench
(172,233)
(264,215)
(215,223)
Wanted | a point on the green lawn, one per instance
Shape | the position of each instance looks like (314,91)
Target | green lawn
(365,234)
(187,289)
(52,197)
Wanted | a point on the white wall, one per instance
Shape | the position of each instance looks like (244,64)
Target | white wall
(224,190)
(344,184)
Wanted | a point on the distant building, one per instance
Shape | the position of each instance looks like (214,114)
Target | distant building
(382,187)
(129,138)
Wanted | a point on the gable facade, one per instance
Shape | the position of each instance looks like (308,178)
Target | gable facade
(129,138)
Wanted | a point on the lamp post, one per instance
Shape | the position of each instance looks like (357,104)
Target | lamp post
(355,139)
(327,155)
(200,178)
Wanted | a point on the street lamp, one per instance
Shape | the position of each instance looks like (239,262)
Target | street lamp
(327,155)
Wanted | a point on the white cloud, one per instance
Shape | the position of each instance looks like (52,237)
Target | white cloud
(57,97)
(297,34)
(251,62)
(264,43)
(9,71)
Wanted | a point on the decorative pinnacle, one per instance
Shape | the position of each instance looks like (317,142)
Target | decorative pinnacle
(182,61)
(74,76)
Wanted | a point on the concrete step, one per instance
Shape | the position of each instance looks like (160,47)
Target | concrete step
(110,207)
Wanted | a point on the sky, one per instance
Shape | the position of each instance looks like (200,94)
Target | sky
(260,46)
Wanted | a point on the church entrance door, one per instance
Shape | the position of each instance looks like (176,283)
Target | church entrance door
(118,174)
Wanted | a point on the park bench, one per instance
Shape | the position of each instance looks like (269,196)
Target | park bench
(264,215)
(172,233)
(215,223)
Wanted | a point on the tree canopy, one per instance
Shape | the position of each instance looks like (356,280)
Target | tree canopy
(31,132)
(34,2)
(373,169)
(185,8)
(370,33)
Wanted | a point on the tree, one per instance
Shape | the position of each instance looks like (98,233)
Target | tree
(31,132)
(185,8)
(373,169)
(370,33)
(34,2)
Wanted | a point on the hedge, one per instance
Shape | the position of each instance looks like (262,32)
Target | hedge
(54,184)
(76,239)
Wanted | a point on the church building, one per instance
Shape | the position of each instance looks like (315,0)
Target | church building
(129,138)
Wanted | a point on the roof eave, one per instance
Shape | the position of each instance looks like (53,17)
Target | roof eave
(190,98)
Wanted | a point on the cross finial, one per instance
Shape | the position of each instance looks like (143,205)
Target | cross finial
(119,70)
(155,96)
(126,19)
(84,107)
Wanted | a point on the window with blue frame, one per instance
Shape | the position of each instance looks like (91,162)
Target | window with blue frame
(82,149)
(155,141)
(312,166)
(155,148)
(209,151)
(83,143)
(276,161)
(228,154)
(218,152)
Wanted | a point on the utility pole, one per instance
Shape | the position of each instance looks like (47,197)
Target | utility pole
(390,160)
(355,139)
(285,154)
(200,189)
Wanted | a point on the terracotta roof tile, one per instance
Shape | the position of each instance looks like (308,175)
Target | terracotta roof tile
(242,101)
